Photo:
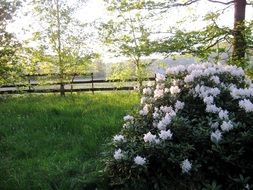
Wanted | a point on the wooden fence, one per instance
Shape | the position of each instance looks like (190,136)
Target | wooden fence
(89,84)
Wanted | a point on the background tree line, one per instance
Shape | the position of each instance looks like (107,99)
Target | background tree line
(62,45)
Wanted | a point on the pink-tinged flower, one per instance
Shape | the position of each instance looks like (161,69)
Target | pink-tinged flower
(160,77)
(174,90)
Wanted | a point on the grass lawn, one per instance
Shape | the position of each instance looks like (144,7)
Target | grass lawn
(51,142)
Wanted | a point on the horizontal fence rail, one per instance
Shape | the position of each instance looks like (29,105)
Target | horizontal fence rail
(69,86)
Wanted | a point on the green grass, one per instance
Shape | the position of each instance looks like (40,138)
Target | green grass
(50,142)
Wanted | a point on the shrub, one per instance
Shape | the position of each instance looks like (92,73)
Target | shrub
(193,131)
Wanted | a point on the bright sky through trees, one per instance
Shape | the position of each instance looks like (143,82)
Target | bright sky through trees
(95,11)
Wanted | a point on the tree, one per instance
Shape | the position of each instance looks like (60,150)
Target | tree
(238,32)
(127,35)
(8,44)
(239,44)
(62,36)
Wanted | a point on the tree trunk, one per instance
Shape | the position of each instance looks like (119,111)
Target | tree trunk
(59,50)
(239,44)
(139,75)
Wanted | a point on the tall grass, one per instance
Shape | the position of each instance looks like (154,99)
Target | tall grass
(50,142)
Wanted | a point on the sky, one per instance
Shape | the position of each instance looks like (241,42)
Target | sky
(95,10)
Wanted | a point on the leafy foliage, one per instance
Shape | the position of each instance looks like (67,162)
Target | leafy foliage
(9,46)
(62,39)
(127,35)
(193,131)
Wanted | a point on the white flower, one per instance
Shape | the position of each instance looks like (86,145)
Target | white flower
(164,122)
(147,91)
(214,91)
(144,111)
(149,137)
(236,71)
(118,138)
(226,126)
(161,125)
(143,100)
(160,77)
(175,82)
(179,105)
(155,115)
(174,90)
(216,79)
(214,125)
(175,70)
(216,136)
(208,100)
(212,109)
(166,90)
(158,93)
(118,154)
(186,166)
(246,105)
(189,78)
(237,93)
(223,114)
(172,113)
(165,134)
(160,86)
(128,118)
(139,160)
(166,109)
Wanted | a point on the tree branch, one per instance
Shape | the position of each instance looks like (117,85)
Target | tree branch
(189,2)
(224,3)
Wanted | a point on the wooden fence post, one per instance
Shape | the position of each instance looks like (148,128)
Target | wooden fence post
(72,80)
(92,83)
(29,83)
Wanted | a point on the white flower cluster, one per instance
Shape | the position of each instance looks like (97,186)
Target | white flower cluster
(204,70)
(118,154)
(138,160)
(147,91)
(179,105)
(158,93)
(118,138)
(238,93)
(175,70)
(186,166)
(160,77)
(174,90)
(128,121)
(164,135)
(149,137)
(209,94)
(206,83)
(128,118)
(145,110)
(246,105)
(216,136)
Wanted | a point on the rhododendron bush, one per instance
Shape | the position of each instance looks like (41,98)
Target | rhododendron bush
(194,130)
